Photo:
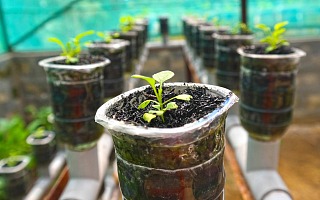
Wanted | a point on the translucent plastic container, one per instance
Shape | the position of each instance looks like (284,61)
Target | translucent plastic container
(267,90)
(76,93)
(183,163)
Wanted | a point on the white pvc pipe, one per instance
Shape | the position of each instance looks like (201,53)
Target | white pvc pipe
(87,170)
(258,162)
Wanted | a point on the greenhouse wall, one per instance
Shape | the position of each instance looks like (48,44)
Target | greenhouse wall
(30,23)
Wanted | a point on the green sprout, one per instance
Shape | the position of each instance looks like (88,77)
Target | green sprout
(216,21)
(160,106)
(240,28)
(126,23)
(273,38)
(72,48)
(107,37)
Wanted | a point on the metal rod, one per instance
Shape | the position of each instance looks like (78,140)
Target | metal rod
(4,29)
(244,11)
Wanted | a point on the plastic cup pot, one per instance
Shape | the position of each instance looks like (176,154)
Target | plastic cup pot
(228,60)
(267,88)
(113,74)
(76,93)
(170,163)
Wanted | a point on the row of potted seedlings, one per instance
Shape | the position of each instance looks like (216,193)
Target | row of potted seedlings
(262,73)
(79,83)
(23,155)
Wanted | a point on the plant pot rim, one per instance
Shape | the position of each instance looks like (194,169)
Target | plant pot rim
(115,44)
(223,36)
(47,63)
(213,28)
(297,53)
(34,141)
(131,129)
(128,33)
(25,160)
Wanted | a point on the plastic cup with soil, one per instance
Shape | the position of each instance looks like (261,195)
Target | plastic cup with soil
(228,59)
(17,176)
(113,74)
(43,145)
(76,93)
(267,89)
(207,44)
(131,49)
(180,158)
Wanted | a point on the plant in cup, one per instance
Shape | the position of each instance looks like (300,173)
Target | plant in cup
(126,23)
(273,37)
(107,37)
(72,48)
(160,106)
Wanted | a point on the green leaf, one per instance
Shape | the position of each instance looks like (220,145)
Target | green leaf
(157,112)
(269,48)
(115,35)
(156,106)
(81,35)
(171,106)
(144,104)
(148,117)
(185,97)
(263,27)
(280,25)
(163,76)
(100,34)
(150,80)
(59,42)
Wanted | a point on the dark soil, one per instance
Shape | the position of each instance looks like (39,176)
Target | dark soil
(187,112)
(83,60)
(262,50)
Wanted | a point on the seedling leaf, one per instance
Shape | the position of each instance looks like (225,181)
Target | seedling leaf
(171,106)
(163,76)
(144,104)
(148,117)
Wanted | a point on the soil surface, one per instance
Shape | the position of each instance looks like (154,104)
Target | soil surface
(262,50)
(200,105)
(83,60)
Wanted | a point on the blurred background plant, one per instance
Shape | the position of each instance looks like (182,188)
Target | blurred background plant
(14,130)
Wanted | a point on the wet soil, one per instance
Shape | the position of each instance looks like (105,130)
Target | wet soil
(262,50)
(200,105)
(83,60)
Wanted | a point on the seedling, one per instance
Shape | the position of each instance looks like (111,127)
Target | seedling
(72,48)
(160,106)
(126,23)
(273,38)
(241,28)
(107,37)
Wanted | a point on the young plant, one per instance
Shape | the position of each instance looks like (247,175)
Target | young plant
(241,28)
(72,48)
(106,36)
(126,23)
(273,38)
(160,106)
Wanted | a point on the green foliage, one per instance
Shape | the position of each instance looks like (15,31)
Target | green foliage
(273,38)
(72,48)
(13,136)
(216,21)
(126,23)
(160,106)
(14,130)
(107,37)
(41,119)
(240,28)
